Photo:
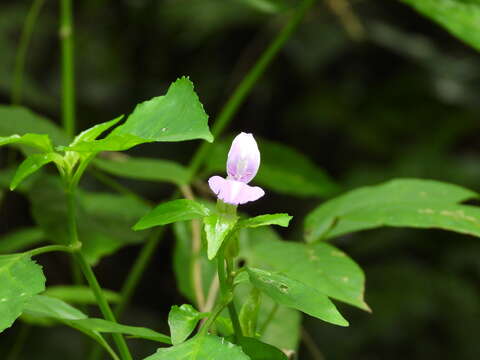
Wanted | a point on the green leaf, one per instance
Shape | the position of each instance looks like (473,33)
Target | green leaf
(105,326)
(41,142)
(300,178)
(21,239)
(318,265)
(19,120)
(49,307)
(201,348)
(263,220)
(32,164)
(258,350)
(182,321)
(401,203)
(170,212)
(144,169)
(95,131)
(80,294)
(104,220)
(20,279)
(217,227)
(295,294)
(248,316)
(177,116)
(459,17)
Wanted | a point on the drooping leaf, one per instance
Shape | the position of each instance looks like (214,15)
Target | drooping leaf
(268,219)
(182,321)
(401,203)
(19,120)
(145,169)
(292,293)
(177,116)
(49,307)
(459,17)
(217,228)
(170,212)
(201,348)
(20,279)
(32,164)
(79,294)
(248,315)
(283,169)
(258,350)
(21,239)
(318,265)
(104,220)
(39,141)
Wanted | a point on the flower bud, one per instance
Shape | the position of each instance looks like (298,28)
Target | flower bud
(243,158)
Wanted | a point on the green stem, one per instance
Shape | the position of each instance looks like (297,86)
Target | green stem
(245,87)
(52,248)
(90,276)
(68,74)
(21,55)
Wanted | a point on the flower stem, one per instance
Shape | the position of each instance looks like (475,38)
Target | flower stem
(90,275)
(68,74)
(245,87)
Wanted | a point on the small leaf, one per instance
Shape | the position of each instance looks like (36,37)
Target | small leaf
(182,321)
(145,169)
(217,228)
(95,131)
(263,220)
(21,239)
(248,316)
(38,141)
(19,120)
(201,348)
(294,294)
(401,203)
(80,294)
(258,350)
(459,17)
(32,164)
(20,279)
(45,306)
(177,116)
(170,212)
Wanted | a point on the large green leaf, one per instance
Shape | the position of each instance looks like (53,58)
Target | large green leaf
(460,17)
(401,203)
(170,212)
(201,348)
(80,294)
(258,350)
(19,120)
(217,228)
(295,294)
(104,220)
(21,239)
(182,321)
(283,169)
(144,169)
(20,279)
(32,164)
(177,116)
(318,265)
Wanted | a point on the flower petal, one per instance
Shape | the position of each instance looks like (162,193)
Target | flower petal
(234,192)
(243,158)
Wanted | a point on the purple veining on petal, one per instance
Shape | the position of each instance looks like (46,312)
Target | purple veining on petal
(243,158)
(234,192)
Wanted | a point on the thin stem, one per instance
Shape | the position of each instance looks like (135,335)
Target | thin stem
(68,74)
(52,248)
(231,306)
(244,88)
(270,317)
(21,56)
(22,336)
(90,276)
(311,346)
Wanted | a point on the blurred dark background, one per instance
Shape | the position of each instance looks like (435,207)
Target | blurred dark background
(396,97)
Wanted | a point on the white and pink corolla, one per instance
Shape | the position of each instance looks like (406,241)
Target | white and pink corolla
(242,166)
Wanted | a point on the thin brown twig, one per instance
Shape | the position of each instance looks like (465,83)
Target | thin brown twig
(350,21)
(196,247)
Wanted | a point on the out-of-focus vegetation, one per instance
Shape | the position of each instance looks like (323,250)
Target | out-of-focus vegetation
(369,94)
